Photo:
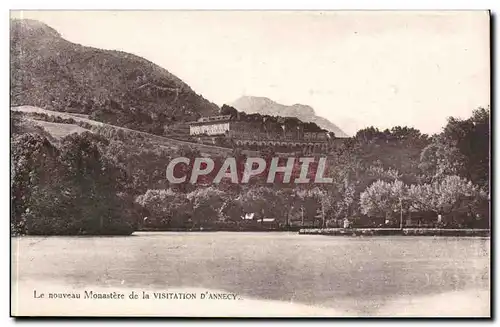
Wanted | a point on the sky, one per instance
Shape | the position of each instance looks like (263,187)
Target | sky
(357,69)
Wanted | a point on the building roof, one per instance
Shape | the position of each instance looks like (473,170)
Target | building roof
(210,120)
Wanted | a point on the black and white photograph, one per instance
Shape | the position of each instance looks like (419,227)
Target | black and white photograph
(250,164)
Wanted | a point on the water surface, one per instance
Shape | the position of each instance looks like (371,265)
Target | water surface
(354,275)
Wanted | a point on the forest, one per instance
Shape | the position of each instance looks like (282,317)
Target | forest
(108,183)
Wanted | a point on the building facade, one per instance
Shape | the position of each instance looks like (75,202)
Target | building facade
(215,125)
(257,134)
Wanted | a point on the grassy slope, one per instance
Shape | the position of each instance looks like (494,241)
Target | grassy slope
(161,141)
(59,130)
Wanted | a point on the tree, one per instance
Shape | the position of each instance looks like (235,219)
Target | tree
(343,199)
(383,199)
(206,203)
(257,199)
(94,183)
(265,201)
(451,196)
(67,190)
(228,110)
(441,158)
(34,171)
(370,134)
(232,209)
(165,207)
(321,198)
(463,149)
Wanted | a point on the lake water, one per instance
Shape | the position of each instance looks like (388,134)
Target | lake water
(271,273)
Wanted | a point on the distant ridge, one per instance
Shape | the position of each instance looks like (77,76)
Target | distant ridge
(111,86)
(266,106)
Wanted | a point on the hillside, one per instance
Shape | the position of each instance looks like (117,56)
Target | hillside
(58,130)
(119,88)
(265,106)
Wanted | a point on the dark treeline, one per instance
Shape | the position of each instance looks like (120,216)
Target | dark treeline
(68,188)
(271,122)
(113,184)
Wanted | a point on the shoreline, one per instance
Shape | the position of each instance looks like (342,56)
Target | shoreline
(352,232)
(396,231)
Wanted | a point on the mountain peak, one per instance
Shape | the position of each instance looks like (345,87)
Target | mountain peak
(266,106)
(32,28)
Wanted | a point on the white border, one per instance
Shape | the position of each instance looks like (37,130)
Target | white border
(258,4)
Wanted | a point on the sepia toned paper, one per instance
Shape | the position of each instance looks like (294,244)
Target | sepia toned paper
(250,163)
